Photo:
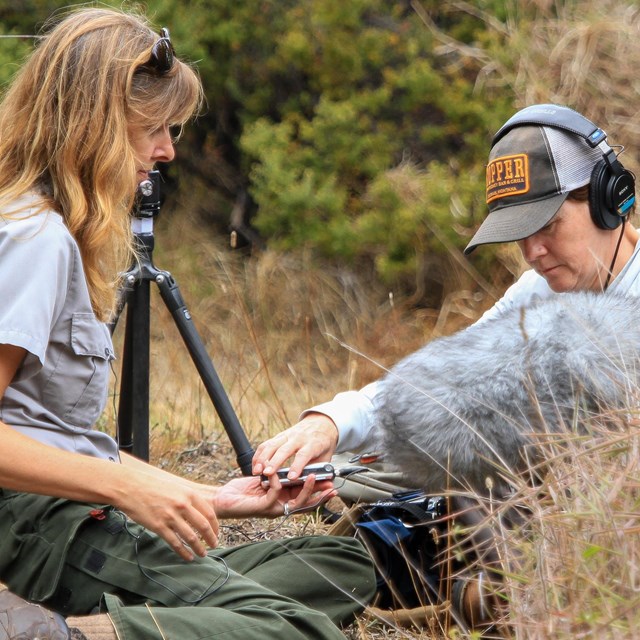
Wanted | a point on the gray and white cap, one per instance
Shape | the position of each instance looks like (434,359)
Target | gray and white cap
(531,170)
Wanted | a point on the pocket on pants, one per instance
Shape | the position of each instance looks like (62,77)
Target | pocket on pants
(35,536)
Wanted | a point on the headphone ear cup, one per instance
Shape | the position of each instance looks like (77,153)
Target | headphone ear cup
(602,212)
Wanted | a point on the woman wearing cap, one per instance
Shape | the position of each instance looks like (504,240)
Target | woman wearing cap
(556,188)
(85,529)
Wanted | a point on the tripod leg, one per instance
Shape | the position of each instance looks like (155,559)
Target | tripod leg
(133,411)
(172,298)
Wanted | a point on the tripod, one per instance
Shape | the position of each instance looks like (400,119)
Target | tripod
(133,411)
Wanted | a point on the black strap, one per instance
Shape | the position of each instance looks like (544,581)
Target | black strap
(416,511)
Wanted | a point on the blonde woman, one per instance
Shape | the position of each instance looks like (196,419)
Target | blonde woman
(85,529)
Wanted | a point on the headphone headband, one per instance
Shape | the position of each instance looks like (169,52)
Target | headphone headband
(553,115)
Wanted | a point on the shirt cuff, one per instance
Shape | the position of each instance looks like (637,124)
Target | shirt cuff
(353,414)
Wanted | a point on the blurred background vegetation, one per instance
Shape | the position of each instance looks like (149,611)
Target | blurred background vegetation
(358,131)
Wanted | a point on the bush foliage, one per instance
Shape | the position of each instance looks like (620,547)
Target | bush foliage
(359,130)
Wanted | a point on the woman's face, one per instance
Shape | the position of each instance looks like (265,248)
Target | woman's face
(571,253)
(149,147)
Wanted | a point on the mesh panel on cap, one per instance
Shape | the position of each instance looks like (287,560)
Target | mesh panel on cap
(573,157)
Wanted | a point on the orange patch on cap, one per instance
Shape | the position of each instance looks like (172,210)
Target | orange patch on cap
(507,176)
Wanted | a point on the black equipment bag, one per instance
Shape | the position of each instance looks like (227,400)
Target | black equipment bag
(408,538)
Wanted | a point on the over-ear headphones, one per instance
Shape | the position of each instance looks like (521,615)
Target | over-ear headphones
(612,187)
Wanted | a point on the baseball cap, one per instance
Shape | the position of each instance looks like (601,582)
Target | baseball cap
(531,170)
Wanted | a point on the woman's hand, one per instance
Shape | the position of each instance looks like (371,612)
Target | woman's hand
(313,439)
(178,510)
(245,497)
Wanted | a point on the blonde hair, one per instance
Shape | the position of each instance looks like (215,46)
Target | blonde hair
(63,131)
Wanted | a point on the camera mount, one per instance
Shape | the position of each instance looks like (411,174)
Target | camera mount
(135,296)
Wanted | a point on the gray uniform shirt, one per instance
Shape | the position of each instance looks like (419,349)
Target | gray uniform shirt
(60,389)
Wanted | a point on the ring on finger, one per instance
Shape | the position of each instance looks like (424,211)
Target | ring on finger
(286,509)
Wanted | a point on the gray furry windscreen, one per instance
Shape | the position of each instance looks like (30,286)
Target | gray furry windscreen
(481,403)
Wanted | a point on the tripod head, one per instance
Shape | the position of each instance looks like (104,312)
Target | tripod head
(146,208)
(148,196)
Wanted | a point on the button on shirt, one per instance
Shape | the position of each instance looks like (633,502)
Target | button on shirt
(60,389)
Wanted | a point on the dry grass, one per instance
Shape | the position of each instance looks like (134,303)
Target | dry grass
(579,571)
(584,54)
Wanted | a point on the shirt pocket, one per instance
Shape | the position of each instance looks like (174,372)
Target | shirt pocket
(77,388)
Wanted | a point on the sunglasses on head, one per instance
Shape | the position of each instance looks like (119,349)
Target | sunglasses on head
(162,53)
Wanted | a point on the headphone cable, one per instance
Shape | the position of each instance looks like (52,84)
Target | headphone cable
(615,255)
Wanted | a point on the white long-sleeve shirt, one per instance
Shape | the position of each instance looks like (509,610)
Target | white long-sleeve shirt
(353,411)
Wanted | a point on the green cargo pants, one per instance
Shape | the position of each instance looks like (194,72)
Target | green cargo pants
(57,553)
